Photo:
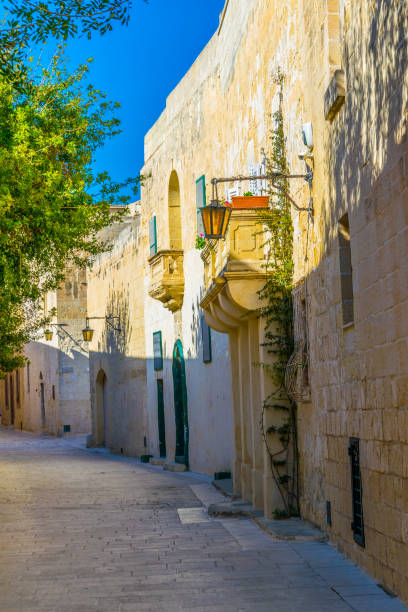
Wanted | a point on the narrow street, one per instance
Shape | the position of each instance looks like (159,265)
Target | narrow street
(86,530)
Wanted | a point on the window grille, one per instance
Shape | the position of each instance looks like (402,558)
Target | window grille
(357,525)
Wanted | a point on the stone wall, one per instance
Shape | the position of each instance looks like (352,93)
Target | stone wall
(55,383)
(359,372)
(216,122)
(115,287)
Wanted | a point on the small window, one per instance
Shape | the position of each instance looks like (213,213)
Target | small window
(357,525)
(157,351)
(152,237)
(200,202)
(346,272)
(28,378)
(6,390)
(206,336)
(53,392)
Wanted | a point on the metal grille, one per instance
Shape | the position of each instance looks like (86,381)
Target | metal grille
(357,492)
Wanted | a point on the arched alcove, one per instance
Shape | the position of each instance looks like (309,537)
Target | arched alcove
(174,213)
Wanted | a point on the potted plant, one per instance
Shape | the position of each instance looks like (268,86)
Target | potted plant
(248,200)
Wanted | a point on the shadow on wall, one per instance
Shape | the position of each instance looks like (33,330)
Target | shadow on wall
(356,371)
(51,384)
(114,341)
(139,411)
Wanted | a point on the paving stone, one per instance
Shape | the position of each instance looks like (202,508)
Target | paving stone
(82,530)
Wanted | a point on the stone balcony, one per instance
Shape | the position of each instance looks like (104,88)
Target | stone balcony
(167,278)
(234,271)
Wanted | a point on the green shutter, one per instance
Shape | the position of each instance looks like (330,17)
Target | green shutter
(157,351)
(152,237)
(206,337)
(200,202)
(160,418)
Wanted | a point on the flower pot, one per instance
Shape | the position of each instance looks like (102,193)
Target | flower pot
(250,202)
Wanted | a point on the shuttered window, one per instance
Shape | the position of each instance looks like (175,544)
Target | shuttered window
(346,271)
(200,202)
(157,351)
(152,237)
(206,337)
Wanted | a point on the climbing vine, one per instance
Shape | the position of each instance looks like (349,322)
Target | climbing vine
(280,440)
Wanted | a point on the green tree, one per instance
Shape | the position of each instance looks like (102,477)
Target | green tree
(28,22)
(52,205)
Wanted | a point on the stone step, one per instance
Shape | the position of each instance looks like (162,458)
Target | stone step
(172,466)
(158,460)
(287,529)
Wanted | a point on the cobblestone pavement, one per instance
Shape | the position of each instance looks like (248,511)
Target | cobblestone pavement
(84,530)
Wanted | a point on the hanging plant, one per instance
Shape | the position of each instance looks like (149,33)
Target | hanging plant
(278,316)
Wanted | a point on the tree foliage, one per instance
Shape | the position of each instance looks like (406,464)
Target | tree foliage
(28,22)
(52,205)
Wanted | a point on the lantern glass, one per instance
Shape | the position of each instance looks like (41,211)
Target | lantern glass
(48,334)
(215,220)
(87,334)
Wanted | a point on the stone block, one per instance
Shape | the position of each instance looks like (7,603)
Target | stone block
(174,467)
(158,460)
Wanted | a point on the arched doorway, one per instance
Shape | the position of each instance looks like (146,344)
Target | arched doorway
(174,213)
(101,410)
(180,404)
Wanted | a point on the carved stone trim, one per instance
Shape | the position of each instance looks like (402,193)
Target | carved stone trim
(167,279)
(335,95)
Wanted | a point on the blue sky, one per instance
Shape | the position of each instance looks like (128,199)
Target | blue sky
(139,65)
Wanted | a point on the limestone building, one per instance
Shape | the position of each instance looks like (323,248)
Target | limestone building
(50,395)
(117,350)
(177,334)
(349,290)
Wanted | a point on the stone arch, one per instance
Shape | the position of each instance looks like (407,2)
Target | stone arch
(101,416)
(175,236)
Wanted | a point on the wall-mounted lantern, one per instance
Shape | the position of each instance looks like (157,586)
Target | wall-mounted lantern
(48,333)
(215,216)
(88,332)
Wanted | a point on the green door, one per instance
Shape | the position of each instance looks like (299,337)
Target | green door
(160,418)
(180,404)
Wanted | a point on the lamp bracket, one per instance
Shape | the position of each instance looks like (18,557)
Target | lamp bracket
(273,177)
(109,320)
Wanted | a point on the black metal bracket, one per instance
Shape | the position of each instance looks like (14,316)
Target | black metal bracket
(109,320)
(273,177)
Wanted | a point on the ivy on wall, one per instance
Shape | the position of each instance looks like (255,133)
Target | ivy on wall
(277,312)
